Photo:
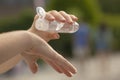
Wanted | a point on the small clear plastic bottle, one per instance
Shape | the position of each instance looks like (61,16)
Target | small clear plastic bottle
(53,26)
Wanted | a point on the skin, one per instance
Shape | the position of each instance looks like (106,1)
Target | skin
(32,45)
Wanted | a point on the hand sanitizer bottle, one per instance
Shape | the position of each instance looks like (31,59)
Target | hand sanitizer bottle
(53,26)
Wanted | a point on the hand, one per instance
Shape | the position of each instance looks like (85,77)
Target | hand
(51,15)
(41,49)
(31,61)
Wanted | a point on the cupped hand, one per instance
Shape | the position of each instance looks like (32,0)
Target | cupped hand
(60,16)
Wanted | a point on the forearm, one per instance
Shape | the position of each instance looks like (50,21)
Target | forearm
(10,63)
(15,43)
(12,44)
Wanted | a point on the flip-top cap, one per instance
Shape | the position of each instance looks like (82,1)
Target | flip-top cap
(41,12)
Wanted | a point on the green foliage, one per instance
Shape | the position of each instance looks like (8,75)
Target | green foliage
(85,8)
(23,21)
(110,6)
(112,20)
(116,39)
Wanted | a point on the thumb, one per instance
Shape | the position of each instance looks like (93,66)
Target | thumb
(53,36)
(33,66)
(31,61)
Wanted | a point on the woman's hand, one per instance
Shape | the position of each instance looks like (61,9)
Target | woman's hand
(60,16)
(40,49)
(47,36)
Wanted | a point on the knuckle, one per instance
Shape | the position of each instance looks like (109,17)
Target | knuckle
(53,11)
(62,11)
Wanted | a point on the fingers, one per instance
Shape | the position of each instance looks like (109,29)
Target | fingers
(66,16)
(33,66)
(57,15)
(61,69)
(68,66)
(60,16)
(52,36)
(49,17)
(74,18)
(31,61)
(62,66)
(69,74)
(56,67)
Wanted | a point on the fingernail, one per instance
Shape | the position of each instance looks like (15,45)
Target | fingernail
(70,22)
(62,20)
(52,18)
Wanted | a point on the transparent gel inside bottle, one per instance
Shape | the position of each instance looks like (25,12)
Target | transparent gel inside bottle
(53,26)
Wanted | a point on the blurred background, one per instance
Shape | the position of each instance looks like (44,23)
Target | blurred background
(94,49)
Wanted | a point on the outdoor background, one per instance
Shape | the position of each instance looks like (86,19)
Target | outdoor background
(19,15)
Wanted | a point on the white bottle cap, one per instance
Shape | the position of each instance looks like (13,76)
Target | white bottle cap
(41,23)
(41,12)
